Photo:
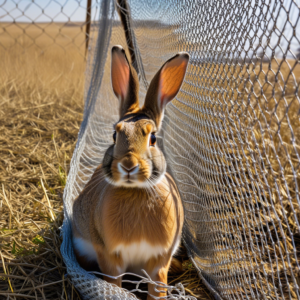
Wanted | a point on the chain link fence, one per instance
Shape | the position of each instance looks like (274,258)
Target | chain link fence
(45,25)
(231,136)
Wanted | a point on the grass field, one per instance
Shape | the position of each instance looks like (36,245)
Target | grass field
(43,37)
(41,105)
(41,100)
(260,108)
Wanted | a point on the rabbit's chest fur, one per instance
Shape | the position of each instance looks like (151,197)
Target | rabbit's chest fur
(138,226)
(128,223)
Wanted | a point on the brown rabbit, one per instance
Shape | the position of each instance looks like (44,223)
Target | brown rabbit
(129,216)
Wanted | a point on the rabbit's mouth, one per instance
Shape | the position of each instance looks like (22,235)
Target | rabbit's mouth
(131,175)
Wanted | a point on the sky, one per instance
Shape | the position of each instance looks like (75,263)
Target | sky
(58,10)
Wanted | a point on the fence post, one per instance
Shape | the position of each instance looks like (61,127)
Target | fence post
(88,24)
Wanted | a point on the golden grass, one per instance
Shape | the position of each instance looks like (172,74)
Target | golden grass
(41,100)
(42,37)
(260,106)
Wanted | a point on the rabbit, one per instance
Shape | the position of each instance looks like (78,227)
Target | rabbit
(130,216)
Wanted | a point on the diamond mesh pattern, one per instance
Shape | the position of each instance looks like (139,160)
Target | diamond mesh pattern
(231,136)
(45,24)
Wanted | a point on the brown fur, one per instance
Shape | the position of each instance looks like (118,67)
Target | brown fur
(169,80)
(129,101)
(126,216)
(109,213)
(130,216)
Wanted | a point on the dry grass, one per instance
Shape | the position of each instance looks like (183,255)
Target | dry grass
(275,104)
(42,37)
(41,110)
(41,100)
(260,105)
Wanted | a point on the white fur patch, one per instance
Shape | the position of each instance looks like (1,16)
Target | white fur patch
(85,248)
(125,174)
(176,247)
(138,253)
(122,172)
(135,183)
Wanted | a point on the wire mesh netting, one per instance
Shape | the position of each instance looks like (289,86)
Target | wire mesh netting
(47,25)
(231,136)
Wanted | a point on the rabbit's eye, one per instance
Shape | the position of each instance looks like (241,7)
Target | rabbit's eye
(152,139)
(114,137)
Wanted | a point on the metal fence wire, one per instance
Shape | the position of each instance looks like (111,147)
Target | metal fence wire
(45,25)
(231,136)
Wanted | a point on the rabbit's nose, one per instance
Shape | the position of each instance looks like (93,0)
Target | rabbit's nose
(130,171)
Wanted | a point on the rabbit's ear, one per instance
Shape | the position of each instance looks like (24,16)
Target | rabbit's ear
(165,85)
(124,81)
